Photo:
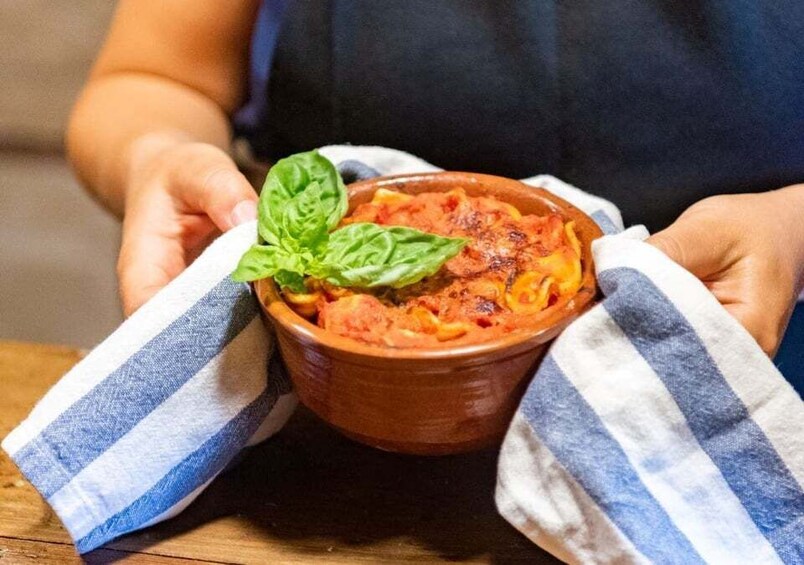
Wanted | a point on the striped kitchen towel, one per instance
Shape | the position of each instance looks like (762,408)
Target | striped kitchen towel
(655,430)
(135,431)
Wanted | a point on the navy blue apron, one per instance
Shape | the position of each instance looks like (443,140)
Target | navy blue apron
(653,104)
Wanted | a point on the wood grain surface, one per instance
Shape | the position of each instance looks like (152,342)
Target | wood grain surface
(308,495)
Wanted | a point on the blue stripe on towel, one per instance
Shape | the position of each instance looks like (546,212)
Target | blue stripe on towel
(604,222)
(353,170)
(575,435)
(714,413)
(115,405)
(195,470)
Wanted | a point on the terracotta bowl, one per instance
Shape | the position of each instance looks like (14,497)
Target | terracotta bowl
(427,401)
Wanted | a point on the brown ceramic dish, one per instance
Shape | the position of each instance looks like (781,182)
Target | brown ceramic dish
(427,401)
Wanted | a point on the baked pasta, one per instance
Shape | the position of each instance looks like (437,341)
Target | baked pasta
(513,268)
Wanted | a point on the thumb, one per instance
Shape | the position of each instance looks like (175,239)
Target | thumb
(211,183)
(689,243)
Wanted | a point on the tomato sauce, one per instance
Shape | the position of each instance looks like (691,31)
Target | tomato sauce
(514,267)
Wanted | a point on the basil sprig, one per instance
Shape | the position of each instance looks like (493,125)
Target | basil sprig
(302,201)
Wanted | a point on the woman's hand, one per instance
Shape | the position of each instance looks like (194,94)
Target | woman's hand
(147,136)
(748,250)
(179,197)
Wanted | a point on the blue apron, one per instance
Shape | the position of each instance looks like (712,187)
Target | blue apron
(652,104)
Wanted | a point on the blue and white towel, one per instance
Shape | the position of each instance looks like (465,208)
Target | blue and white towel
(656,430)
(135,431)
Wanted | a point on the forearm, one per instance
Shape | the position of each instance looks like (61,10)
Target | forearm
(122,118)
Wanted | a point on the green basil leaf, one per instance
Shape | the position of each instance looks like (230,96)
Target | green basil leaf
(293,281)
(262,261)
(305,222)
(302,201)
(358,244)
(291,176)
(369,255)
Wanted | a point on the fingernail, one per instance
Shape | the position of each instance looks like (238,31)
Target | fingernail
(245,211)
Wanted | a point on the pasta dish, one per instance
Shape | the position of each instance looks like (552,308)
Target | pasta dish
(512,269)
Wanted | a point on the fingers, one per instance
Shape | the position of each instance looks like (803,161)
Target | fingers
(210,183)
(145,266)
(757,292)
(195,192)
(765,327)
(157,246)
(740,272)
(149,257)
(691,245)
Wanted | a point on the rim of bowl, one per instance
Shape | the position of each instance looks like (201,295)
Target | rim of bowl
(549,322)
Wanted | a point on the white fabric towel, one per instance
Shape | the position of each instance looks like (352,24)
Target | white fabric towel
(655,430)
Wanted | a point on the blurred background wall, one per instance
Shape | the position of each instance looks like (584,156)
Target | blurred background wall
(57,247)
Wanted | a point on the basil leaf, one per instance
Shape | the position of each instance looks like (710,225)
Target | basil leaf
(302,201)
(293,281)
(262,261)
(305,222)
(369,255)
(291,176)
(358,244)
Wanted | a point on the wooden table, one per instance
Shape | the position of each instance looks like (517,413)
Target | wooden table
(307,495)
